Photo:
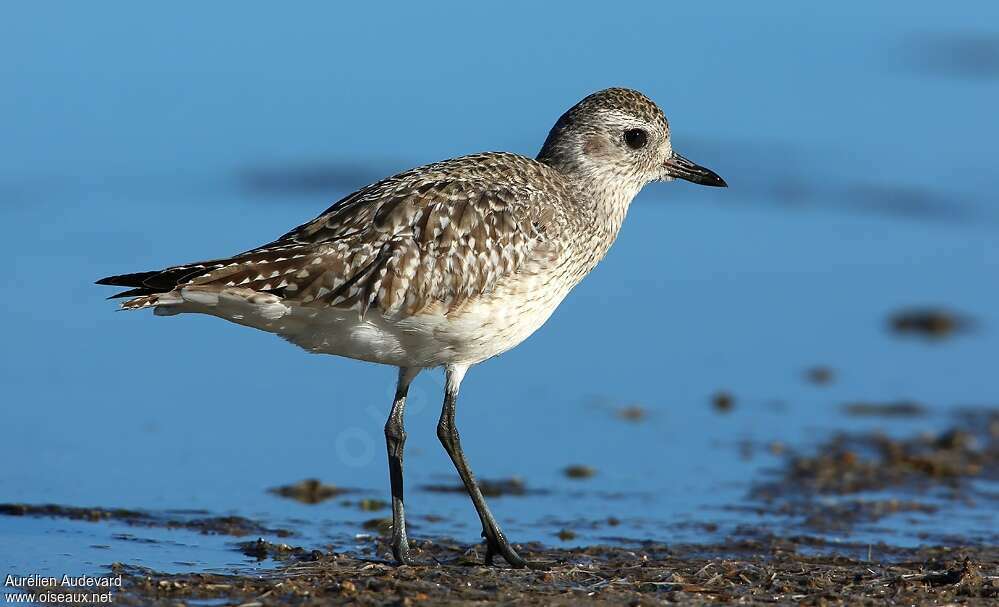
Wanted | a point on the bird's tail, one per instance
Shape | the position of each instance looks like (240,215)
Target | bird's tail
(144,294)
(138,303)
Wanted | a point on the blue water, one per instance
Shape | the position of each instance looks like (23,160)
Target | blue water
(858,141)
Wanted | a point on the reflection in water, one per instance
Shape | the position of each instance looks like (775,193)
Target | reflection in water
(907,201)
(799,178)
(767,176)
(969,55)
(311,179)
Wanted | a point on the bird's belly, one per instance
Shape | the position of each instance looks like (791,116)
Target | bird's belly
(497,322)
(474,331)
(479,329)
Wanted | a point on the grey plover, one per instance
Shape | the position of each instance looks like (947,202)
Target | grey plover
(444,265)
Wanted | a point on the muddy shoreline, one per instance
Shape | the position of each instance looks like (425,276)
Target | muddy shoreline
(796,571)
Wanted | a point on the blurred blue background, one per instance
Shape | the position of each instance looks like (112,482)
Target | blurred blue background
(858,140)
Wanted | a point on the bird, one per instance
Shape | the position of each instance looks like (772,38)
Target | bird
(444,265)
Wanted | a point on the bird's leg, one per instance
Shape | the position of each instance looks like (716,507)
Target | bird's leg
(447,432)
(395,441)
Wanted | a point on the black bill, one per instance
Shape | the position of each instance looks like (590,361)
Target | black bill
(681,168)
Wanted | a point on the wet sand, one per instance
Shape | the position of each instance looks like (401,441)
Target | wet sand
(765,571)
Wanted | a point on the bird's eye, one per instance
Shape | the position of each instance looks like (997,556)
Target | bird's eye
(636,138)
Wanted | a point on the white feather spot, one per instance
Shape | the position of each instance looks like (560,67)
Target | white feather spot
(205,298)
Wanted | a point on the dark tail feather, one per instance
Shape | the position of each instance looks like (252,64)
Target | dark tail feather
(133,293)
(163,281)
(157,281)
(128,280)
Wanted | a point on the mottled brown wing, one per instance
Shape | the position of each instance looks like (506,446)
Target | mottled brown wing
(404,244)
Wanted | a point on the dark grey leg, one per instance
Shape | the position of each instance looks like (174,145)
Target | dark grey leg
(447,432)
(395,440)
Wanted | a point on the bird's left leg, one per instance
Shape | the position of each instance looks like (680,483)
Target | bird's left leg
(447,432)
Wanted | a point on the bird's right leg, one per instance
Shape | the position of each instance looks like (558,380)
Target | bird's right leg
(395,441)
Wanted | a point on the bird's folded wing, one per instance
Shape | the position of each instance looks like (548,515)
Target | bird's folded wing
(401,245)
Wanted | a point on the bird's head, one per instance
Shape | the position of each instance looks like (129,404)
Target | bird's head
(619,136)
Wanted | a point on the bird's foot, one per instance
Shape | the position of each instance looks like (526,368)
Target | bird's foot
(500,546)
(400,550)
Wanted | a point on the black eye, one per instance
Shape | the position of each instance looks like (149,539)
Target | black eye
(636,138)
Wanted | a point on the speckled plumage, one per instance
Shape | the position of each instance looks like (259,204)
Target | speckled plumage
(439,235)
(489,242)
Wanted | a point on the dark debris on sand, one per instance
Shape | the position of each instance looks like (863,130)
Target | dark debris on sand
(819,375)
(209,525)
(496,487)
(764,572)
(579,471)
(722,401)
(851,464)
(902,408)
(929,322)
(261,549)
(632,413)
(309,491)
(855,464)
